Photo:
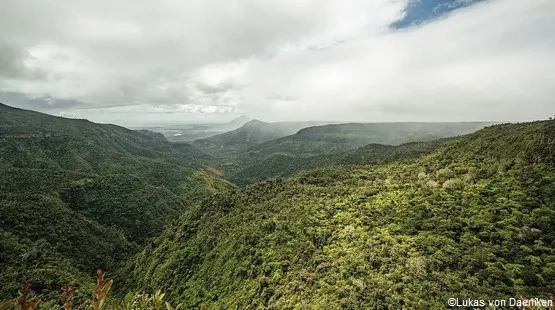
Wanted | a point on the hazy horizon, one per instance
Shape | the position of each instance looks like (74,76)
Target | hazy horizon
(230,118)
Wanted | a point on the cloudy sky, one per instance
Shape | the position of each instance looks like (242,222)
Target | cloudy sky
(136,62)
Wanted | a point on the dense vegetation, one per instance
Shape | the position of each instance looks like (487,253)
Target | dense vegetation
(319,145)
(363,220)
(283,165)
(474,219)
(329,139)
(76,196)
(70,298)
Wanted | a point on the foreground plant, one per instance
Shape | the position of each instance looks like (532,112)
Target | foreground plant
(101,291)
(28,301)
(67,297)
(25,301)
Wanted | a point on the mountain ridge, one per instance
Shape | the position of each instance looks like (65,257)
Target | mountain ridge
(91,193)
(317,145)
(250,134)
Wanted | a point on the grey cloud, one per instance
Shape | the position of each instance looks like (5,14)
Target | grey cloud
(279,59)
(220,88)
(42,103)
(281,97)
(12,62)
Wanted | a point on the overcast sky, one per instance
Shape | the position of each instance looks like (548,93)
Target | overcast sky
(134,62)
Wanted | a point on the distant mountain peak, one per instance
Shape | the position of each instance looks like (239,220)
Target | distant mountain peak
(243,119)
(255,122)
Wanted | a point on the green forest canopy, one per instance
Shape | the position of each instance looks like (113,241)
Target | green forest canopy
(379,226)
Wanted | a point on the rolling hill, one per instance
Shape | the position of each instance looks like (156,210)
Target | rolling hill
(335,138)
(319,145)
(251,134)
(76,196)
(473,217)
(284,165)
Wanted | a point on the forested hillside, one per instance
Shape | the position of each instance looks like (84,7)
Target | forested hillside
(329,139)
(379,226)
(473,218)
(249,135)
(76,196)
(311,147)
(282,165)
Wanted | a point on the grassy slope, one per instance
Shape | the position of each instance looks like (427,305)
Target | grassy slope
(90,193)
(473,219)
